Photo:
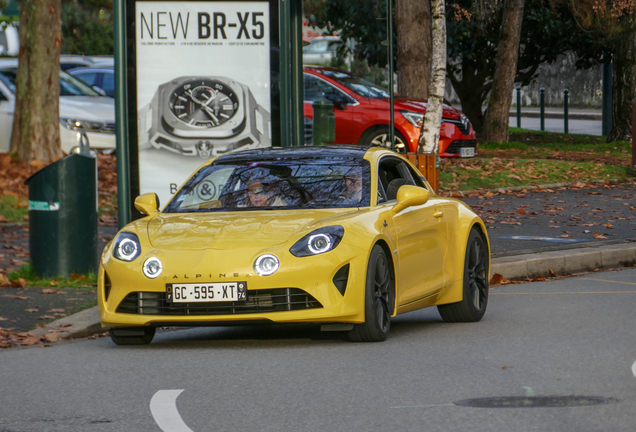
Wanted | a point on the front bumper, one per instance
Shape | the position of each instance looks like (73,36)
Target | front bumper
(302,290)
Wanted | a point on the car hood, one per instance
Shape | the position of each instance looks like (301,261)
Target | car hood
(235,230)
(88,108)
(421,105)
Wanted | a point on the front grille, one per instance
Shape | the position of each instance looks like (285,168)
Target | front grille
(258,301)
(464,128)
(108,129)
(454,146)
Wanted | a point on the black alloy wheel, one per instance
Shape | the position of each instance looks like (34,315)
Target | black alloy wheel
(380,137)
(379,300)
(475,296)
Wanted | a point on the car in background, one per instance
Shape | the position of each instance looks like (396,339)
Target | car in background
(68,61)
(9,41)
(361,108)
(100,78)
(81,108)
(320,50)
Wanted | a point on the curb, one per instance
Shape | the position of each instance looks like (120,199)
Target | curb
(79,325)
(564,262)
(518,267)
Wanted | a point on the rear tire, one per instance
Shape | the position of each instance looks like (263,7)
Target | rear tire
(379,300)
(132,335)
(475,294)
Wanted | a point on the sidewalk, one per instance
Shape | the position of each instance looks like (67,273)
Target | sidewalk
(554,230)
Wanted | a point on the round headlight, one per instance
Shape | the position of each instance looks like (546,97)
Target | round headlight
(266,265)
(319,243)
(152,267)
(127,249)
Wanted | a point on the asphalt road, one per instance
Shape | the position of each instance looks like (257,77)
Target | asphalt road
(564,338)
(589,127)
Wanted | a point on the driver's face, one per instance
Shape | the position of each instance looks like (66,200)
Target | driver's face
(259,194)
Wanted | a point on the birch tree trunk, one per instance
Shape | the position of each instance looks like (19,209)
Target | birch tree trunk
(496,121)
(429,138)
(413,26)
(36,123)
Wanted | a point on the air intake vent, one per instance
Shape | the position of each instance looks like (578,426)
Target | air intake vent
(258,301)
(341,278)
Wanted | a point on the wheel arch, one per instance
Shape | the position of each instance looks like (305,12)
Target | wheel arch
(376,127)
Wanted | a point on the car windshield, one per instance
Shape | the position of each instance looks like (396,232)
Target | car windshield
(361,86)
(282,183)
(69,85)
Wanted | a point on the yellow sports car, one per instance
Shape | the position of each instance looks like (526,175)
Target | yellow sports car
(345,236)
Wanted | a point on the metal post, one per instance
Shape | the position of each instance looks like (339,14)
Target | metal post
(121,115)
(607,102)
(542,105)
(565,110)
(389,26)
(519,106)
(297,96)
(285,79)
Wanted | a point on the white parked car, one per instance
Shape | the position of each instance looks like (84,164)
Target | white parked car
(9,42)
(81,107)
(320,50)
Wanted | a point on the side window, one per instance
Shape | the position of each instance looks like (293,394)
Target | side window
(418,178)
(88,77)
(393,174)
(3,97)
(108,84)
(381,192)
(318,89)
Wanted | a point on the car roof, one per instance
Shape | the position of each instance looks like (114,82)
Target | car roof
(338,150)
(96,68)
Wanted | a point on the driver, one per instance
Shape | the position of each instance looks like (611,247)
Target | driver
(262,194)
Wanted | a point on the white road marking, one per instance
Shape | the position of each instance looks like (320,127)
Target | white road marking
(163,407)
(634,368)
(529,391)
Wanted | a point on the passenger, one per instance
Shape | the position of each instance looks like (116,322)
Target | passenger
(353,185)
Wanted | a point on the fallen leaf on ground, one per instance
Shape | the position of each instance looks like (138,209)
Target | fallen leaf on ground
(43,317)
(498,279)
(56,310)
(32,310)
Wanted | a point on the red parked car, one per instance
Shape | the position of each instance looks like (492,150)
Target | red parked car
(362,114)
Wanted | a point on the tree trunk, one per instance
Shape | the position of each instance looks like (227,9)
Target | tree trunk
(496,121)
(623,91)
(414,43)
(429,138)
(471,88)
(36,124)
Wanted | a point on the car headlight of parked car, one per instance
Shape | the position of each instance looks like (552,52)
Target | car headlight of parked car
(78,125)
(414,118)
(318,241)
(127,246)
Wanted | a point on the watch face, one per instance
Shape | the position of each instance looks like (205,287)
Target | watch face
(203,103)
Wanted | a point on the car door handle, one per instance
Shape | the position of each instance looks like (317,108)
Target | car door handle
(438,214)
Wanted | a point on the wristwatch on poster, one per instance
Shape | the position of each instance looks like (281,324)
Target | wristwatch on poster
(204,116)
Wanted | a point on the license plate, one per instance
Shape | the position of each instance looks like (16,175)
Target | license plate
(467,152)
(206,292)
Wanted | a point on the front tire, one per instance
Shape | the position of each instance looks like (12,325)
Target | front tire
(380,137)
(379,300)
(475,294)
(132,335)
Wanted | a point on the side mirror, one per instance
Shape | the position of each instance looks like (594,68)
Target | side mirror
(408,196)
(148,204)
(337,101)
(99,90)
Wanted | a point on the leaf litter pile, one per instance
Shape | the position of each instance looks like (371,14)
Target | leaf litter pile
(14,193)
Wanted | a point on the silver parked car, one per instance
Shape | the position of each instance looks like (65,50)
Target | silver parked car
(81,107)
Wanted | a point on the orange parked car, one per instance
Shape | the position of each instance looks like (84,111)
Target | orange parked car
(361,108)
